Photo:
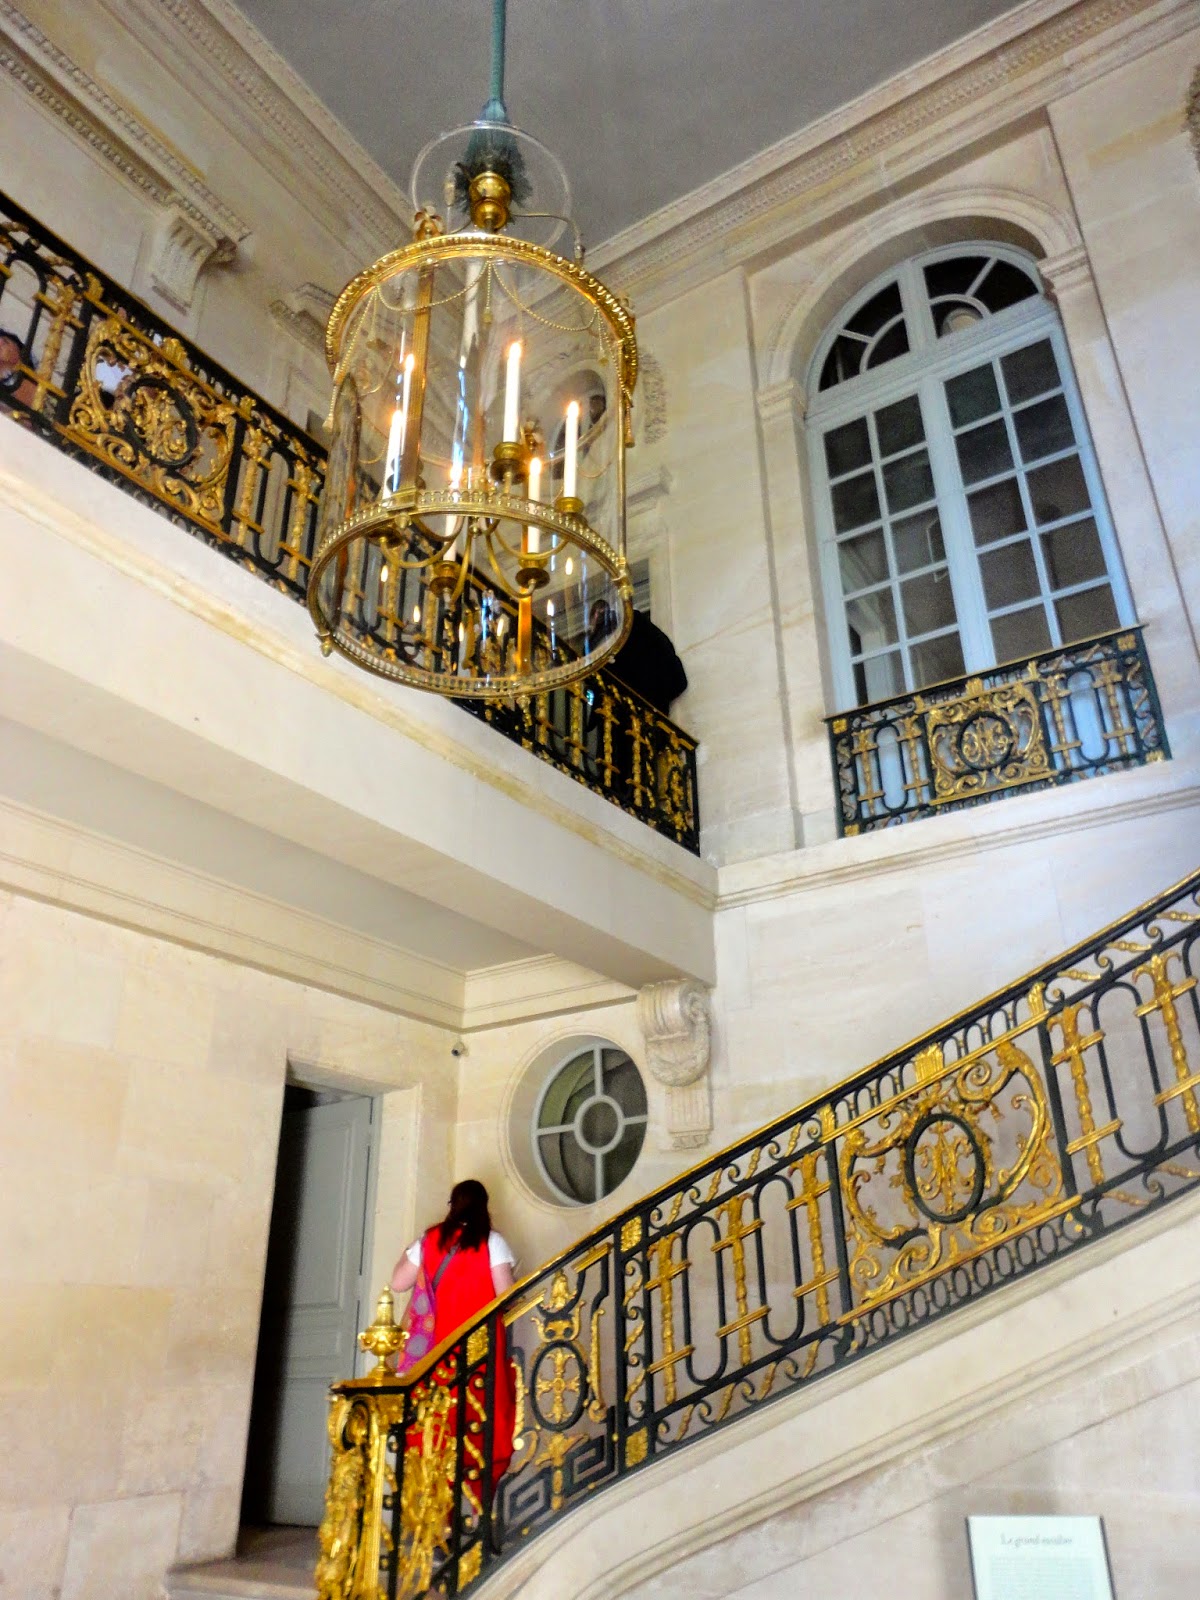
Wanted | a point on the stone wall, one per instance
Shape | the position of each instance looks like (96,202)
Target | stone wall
(141,1087)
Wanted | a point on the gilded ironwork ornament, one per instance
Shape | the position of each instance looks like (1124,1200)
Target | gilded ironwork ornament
(1076,712)
(114,386)
(1016,1133)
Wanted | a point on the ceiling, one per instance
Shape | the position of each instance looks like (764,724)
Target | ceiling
(644,100)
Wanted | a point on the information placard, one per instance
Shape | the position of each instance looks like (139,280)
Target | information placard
(1039,1558)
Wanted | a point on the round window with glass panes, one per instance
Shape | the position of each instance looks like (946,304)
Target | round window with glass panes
(590,1124)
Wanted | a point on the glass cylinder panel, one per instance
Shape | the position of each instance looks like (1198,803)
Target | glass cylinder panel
(471,536)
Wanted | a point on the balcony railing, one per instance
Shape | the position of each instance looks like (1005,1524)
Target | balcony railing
(109,383)
(1077,712)
(1013,1136)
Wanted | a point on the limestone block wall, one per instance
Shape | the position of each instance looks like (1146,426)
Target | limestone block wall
(175,148)
(1100,184)
(141,1086)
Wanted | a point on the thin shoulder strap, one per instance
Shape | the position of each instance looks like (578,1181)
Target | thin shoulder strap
(445,1262)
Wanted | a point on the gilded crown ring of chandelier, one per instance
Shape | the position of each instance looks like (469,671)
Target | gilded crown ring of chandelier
(476,244)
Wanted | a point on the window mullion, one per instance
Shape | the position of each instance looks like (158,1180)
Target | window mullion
(831,578)
(962,562)
(1109,544)
(885,524)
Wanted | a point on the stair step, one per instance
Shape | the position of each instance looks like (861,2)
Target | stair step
(271,1564)
(198,1584)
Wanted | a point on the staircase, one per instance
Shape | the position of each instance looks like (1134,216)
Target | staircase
(270,1564)
(1007,1149)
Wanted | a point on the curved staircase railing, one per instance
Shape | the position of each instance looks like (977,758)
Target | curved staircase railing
(1050,1114)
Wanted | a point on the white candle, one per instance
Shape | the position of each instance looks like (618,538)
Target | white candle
(533,535)
(512,393)
(397,430)
(570,450)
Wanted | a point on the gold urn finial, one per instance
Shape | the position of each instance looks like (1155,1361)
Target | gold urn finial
(490,196)
(383,1339)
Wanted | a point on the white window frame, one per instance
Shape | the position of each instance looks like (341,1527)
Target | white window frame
(641,1119)
(924,371)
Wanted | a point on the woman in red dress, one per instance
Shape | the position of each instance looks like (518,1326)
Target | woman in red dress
(466,1264)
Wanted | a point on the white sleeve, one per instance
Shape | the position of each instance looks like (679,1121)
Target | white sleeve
(413,1253)
(500,1251)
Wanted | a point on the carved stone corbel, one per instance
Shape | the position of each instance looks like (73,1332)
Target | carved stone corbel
(180,251)
(675,1025)
(303,312)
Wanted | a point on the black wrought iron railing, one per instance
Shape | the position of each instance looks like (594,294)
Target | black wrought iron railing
(1077,712)
(1047,1117)
(93,370)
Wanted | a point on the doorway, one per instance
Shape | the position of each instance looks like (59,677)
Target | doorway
(313,1300)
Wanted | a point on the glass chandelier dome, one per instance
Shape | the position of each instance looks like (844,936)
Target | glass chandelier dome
(471,536)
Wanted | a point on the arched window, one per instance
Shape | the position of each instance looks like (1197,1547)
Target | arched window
(960,513)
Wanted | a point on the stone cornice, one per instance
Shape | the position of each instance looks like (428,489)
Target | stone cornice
(260,83)
(71,95)
(135,889)
(1012,68)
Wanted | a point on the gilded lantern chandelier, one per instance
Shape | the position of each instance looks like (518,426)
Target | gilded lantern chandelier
(471,538)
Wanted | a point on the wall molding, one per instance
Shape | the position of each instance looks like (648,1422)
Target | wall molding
(260,87)
(72,96)
(1018,819)
(996,76)
(535,987)
(303,313)
(63,864)
(885,238)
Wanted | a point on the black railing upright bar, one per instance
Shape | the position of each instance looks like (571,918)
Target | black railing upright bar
(107,381)
(1050,1114)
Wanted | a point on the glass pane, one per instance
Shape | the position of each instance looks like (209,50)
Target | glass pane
(847,447)
(1044,428)
(955,316)
(1020,634)
(880,309)
(917,541)
(618,1163)
(1004,286)
(954,276)
(843,361)
(893,343)
(1030,372)
(1058,490)
(1082,615)
(598,1125)
(899,427)
(573,1084)
(936,659)
(623,1082)
(908,482)
(1074,554)
(973,395)
(996,512)
(571,1170)
(863,561)
(1009,574)
(928,602)
(872,621)
(855,501)
(984,452)
(878,678)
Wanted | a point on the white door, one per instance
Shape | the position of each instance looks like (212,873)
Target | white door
(311,1312)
